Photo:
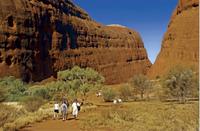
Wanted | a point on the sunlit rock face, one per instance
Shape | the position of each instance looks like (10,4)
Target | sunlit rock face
(180,45)
(38,38)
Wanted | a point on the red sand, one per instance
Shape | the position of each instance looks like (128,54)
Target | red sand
(55,125)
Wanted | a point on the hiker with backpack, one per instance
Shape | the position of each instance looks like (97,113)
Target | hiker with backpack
(64,110)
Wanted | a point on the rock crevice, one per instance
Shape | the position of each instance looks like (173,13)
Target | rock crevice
(40,37)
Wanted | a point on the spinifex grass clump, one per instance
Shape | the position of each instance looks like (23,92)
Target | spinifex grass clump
(144,116)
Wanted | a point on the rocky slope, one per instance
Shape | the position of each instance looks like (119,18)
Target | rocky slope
(180,45)
(40,37)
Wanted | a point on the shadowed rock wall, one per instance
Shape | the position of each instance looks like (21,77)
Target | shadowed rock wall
(40,37)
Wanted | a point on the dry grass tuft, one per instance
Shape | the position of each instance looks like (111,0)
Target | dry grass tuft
(27,119)
(9,113)
(146,116)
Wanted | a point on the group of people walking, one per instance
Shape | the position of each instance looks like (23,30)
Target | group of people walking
(64,109)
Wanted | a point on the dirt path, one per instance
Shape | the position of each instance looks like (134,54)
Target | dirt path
(56,125)
(69,125)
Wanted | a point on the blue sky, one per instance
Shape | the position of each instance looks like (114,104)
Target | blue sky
(149,17)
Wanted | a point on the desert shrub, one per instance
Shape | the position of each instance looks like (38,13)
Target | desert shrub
(27,119)
(141,85)
(9,127)
(49,91)
(195,84)
(2,95)
(125,93)
(179,83)
(42,92)
(145,116)
(117,116)
(69,83)
(15,88)
(32,103)
(108,94)
(81,80)
(9,114)
(57,88)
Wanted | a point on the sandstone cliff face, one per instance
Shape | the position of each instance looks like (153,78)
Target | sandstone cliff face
(40,37)
(180,45)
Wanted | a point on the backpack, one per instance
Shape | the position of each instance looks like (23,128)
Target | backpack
(78,107)
(64,107)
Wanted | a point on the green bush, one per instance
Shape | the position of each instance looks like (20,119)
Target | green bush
(125,93)
(81,80)
(32,103)
(179,83)
(57,87)
(13,87)
(2,95)
(60,89)
(69,84)
(42,92)
(108,94)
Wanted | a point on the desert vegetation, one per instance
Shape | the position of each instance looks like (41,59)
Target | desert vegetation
(126,93)
(180,84)
(12,89)
(144,116)
(108,94)
(147,104)
(141,85)
(23,100)
(81,80)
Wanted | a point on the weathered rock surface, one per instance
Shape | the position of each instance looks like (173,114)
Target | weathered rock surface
(180,45)
(40,37)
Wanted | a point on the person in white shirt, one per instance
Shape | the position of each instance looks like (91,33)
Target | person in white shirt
(56,110)
(75,109)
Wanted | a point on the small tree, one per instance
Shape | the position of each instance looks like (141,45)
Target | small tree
(179,83)
(81,80)
(141,84)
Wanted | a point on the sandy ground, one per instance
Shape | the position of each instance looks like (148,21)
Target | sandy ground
(56,125)
(69,125)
